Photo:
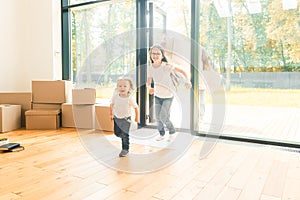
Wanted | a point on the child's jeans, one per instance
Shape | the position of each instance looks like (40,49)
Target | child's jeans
(121,129)
(162,112)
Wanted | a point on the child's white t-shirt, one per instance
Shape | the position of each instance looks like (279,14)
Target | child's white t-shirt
(122,105)
(163,86)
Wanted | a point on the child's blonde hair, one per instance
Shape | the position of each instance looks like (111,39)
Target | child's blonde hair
(131,87)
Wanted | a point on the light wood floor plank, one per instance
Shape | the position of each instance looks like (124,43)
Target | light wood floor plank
(229,193)
(276,179)
(56,165)
(190,190)
(291,189)
(266,197)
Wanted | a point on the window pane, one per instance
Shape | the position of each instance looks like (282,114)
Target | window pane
(255,46)
(101,44)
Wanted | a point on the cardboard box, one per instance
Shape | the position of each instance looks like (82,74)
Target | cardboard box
(67,119)
(42,119)
(85,96)
(102,118)
(84,116)
(46,106)
(51,91)
(10,117)
(79,116)
(17,98)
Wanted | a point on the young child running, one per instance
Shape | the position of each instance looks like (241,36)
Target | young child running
(120,111)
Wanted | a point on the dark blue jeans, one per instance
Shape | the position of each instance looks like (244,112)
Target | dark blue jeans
(121,129)
(162,114)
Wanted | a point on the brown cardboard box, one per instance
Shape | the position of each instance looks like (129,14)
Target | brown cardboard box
(85,96)
(103,121)
(51,91)
(10,117)
(42,119)
(17,98)
(79,116)
(84,116)
(67,119)
(46,106)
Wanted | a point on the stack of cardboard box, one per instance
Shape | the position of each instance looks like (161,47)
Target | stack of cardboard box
(81,112)
(17,98)
(47,98)
(85,113)
(54,103)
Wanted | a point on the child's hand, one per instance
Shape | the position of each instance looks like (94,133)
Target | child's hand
(136,120)
(151,90)
(188,84)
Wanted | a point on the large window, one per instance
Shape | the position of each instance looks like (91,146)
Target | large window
(252,47)
(101,44)
(256,48)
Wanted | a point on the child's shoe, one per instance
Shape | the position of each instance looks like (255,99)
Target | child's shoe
(123,153)
(160,137)
(171,137)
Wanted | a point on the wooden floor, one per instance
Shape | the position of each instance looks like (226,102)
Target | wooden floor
(55,165)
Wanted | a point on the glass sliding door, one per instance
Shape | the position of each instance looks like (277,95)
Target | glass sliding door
(102,46)
(252,50)
(255,47)
(169,25)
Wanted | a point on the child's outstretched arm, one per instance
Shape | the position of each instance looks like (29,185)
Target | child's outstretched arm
(188,83)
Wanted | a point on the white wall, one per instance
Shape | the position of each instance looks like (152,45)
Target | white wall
(8,41)
(30,39)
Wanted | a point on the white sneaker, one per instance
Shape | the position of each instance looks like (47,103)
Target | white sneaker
(171,137)
(159,138)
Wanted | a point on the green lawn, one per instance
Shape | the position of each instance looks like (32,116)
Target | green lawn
(263,97)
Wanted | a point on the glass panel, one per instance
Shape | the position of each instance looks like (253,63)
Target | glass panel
(171,29)
(102,45)
(255,47)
